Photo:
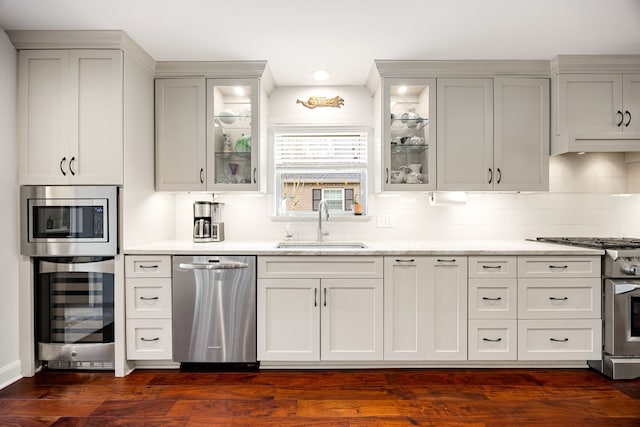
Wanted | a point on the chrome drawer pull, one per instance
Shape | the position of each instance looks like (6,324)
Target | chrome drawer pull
(152,339)
(558,299)
(446,260)
(496,267)
(557,340)
(405,260)
(492,299)
(148,266)
(149,298)
(490,340)
(559,267)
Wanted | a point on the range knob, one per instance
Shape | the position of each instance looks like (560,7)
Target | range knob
(632,270)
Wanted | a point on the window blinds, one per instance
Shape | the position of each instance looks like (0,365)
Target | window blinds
(320,149)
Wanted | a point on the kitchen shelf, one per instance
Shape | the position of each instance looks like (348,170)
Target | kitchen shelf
(408,149)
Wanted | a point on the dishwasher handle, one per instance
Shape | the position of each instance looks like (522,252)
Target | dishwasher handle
(230,265)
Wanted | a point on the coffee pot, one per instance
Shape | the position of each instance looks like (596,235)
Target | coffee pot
(207,222)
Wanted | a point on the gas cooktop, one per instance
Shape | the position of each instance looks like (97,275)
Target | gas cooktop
(618,243)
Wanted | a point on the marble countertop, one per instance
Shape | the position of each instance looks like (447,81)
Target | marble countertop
(374,247)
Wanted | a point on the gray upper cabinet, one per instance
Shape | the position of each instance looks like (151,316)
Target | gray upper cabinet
(596,103)
(465,134)
(210,125)
(180,134)
(521,134)
(70,109)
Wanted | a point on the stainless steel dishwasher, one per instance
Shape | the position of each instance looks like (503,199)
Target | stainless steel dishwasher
(214,309)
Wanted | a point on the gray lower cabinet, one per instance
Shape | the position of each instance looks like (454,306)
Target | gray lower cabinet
(425,308)
(148,307)
(322,308)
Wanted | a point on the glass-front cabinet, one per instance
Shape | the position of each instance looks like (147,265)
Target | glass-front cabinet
(232,134)
(408,122)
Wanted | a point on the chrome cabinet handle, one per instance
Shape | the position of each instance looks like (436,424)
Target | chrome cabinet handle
(315,297)
(149,298)
(558,299)
(490,340)
(71,162)
(387,175)
(557,340)
(149,339)
(619,113)
(62,162)
(628,122)
(405,260)
(215,266)
(490,175)
(201,175)
(558,267)
(325,297)
(446,260)
(493,267)
(148,266)
(499,176)
(255,171)
(492,299)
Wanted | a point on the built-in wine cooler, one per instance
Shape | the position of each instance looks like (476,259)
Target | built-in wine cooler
(74,312)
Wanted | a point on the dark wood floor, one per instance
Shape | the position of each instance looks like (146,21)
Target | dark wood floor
(431,397)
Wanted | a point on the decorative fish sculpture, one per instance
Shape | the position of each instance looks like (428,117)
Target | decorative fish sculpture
(322,101)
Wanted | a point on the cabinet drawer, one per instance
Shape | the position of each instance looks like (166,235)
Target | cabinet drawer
(333,267)
(483,267)
(560,339)
(493,298)
(148,298)
(149,339)
(559,266)
(559,298)
(148,266)
(493,339)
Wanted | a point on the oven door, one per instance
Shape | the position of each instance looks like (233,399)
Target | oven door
(74,308)
(622,317)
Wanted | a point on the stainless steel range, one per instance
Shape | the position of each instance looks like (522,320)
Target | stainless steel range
(620,303)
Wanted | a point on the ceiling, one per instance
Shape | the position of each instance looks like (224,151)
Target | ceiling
(297,37)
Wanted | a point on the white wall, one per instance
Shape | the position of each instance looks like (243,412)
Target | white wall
(583,199)
(9,337)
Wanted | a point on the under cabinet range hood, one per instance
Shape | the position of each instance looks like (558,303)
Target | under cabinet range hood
(595,103)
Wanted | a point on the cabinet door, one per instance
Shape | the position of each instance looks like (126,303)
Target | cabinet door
(521,140)
(43,114)
(405,308)
(96,149)
(351,320)
(233,134)
(631,103)
(288,319)
(447,308)
(409,128)
(180,134)
(589,104)
(465,134)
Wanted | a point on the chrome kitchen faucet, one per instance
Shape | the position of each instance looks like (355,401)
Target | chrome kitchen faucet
(323,204)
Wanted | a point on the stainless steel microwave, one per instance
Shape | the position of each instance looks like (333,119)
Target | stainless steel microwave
(69,220)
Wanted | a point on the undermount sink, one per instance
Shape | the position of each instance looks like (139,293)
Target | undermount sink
(320,245)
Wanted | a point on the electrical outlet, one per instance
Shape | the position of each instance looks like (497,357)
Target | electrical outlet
(384,221)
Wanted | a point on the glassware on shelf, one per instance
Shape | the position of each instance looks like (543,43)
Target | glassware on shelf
(233,167)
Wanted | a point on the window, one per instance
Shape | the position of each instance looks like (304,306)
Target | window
(312,166)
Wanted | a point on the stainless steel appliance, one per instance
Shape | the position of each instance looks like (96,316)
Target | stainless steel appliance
(69,220)
(207,222)
(620,303)
(74,315)
(214,309)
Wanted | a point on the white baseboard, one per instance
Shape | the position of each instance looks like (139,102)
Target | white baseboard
(10,374)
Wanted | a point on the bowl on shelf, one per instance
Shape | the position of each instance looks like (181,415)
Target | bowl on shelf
(227,116)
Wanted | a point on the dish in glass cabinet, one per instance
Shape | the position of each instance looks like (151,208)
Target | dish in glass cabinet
(227,116)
